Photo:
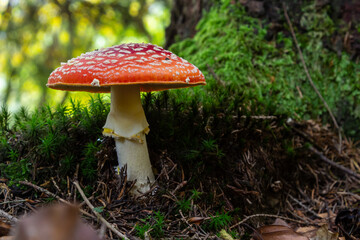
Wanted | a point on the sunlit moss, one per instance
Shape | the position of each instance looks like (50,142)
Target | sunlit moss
(270,78)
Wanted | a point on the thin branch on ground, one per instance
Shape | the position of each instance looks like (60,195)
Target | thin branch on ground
(108,225)
(303,206)
(272,216)
(47,192)
(8,216)
(309,77)
(334,164)
(261,117)
(184,219)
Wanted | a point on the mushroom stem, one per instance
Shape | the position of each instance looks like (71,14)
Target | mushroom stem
(135,155)
(127,124)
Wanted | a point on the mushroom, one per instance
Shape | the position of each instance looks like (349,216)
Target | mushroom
(126,70)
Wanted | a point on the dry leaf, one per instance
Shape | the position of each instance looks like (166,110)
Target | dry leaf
(273,228)
(299,213)
(196,220)
(281,222)
(307,231)
(324,234)
(278,232)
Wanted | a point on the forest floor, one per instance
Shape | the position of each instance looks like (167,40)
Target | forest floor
(308,180)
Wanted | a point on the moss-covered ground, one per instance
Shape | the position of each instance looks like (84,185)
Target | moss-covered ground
(219,152)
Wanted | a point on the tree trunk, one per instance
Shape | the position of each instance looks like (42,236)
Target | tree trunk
(185,15)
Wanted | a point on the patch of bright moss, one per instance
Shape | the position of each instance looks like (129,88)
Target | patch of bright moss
(271,79)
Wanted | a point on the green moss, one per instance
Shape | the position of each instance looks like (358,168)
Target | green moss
(54,140)
(218,221)
(153,225)
(270,78)
(88,165)
(16,170)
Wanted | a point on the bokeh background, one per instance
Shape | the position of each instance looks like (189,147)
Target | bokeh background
(36,35)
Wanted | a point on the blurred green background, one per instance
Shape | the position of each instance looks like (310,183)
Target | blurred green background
(36,35)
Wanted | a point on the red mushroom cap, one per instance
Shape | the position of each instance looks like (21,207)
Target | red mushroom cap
(149,66)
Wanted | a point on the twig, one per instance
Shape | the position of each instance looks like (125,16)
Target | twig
(302,134)
(334,164)
(8,216)
(303,206)
(151,190)
(179,186)
(320,155)
(43,190)
(357,197)
(345,232)
(52,195)
(268,215)
(108,225)
(184,219)
(14,201)
(261,117)
(293,212)
(309,77)
(55,184)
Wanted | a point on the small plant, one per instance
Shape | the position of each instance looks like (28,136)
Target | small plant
(184,205)
(195,195)
(4,149)
(15,170)
(67,165)
(208,148)
(158,225)
(209,145)
(4,118)
(13,155)
(88,190)
(153,224)
(142,229)
(48,146)
(89,164)
(219,221)
(234,234)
